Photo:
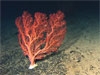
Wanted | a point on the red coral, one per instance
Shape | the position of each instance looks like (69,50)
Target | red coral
(40,36)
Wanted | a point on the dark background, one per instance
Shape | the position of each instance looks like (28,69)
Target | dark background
(12,9)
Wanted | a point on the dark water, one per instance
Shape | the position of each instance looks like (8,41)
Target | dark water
(79,16)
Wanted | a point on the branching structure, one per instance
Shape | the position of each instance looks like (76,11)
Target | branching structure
(40,36)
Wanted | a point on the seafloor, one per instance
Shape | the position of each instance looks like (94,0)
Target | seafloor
(78,55)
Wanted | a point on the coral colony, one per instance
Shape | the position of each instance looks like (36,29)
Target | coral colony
(39,36)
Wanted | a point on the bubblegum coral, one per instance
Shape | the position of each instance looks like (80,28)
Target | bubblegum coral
(40,36)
